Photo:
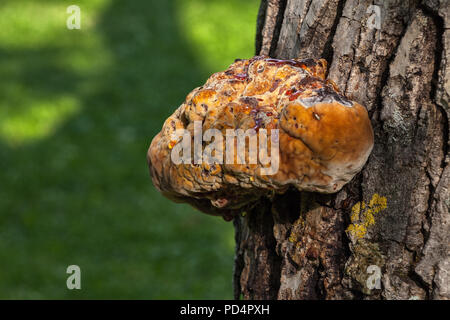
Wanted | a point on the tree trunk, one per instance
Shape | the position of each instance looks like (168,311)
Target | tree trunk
(391,222)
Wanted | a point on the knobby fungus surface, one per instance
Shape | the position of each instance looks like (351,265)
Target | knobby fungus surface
(315,138)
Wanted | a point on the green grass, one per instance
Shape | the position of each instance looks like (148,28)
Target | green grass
(78,109)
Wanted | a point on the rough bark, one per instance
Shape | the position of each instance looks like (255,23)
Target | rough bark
(394,215)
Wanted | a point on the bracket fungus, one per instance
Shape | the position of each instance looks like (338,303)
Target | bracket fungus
(310,136)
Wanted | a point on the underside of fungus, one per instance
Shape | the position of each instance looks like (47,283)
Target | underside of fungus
(315,138)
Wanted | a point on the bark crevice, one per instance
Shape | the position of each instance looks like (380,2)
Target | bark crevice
(277,29)
(328,51)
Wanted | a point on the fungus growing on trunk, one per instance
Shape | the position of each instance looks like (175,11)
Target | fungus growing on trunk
(256,129)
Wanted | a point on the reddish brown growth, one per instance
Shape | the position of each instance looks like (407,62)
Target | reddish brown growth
(324,138)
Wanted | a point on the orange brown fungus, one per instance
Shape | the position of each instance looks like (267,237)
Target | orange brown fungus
(324,138)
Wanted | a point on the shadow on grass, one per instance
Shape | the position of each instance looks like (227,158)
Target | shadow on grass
(83,196)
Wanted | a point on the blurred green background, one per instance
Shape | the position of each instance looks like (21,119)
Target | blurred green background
(78,109)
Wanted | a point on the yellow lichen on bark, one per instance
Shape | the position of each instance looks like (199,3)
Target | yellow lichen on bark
(363,216)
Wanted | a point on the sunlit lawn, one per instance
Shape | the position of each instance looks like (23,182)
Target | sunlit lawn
(78,109)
